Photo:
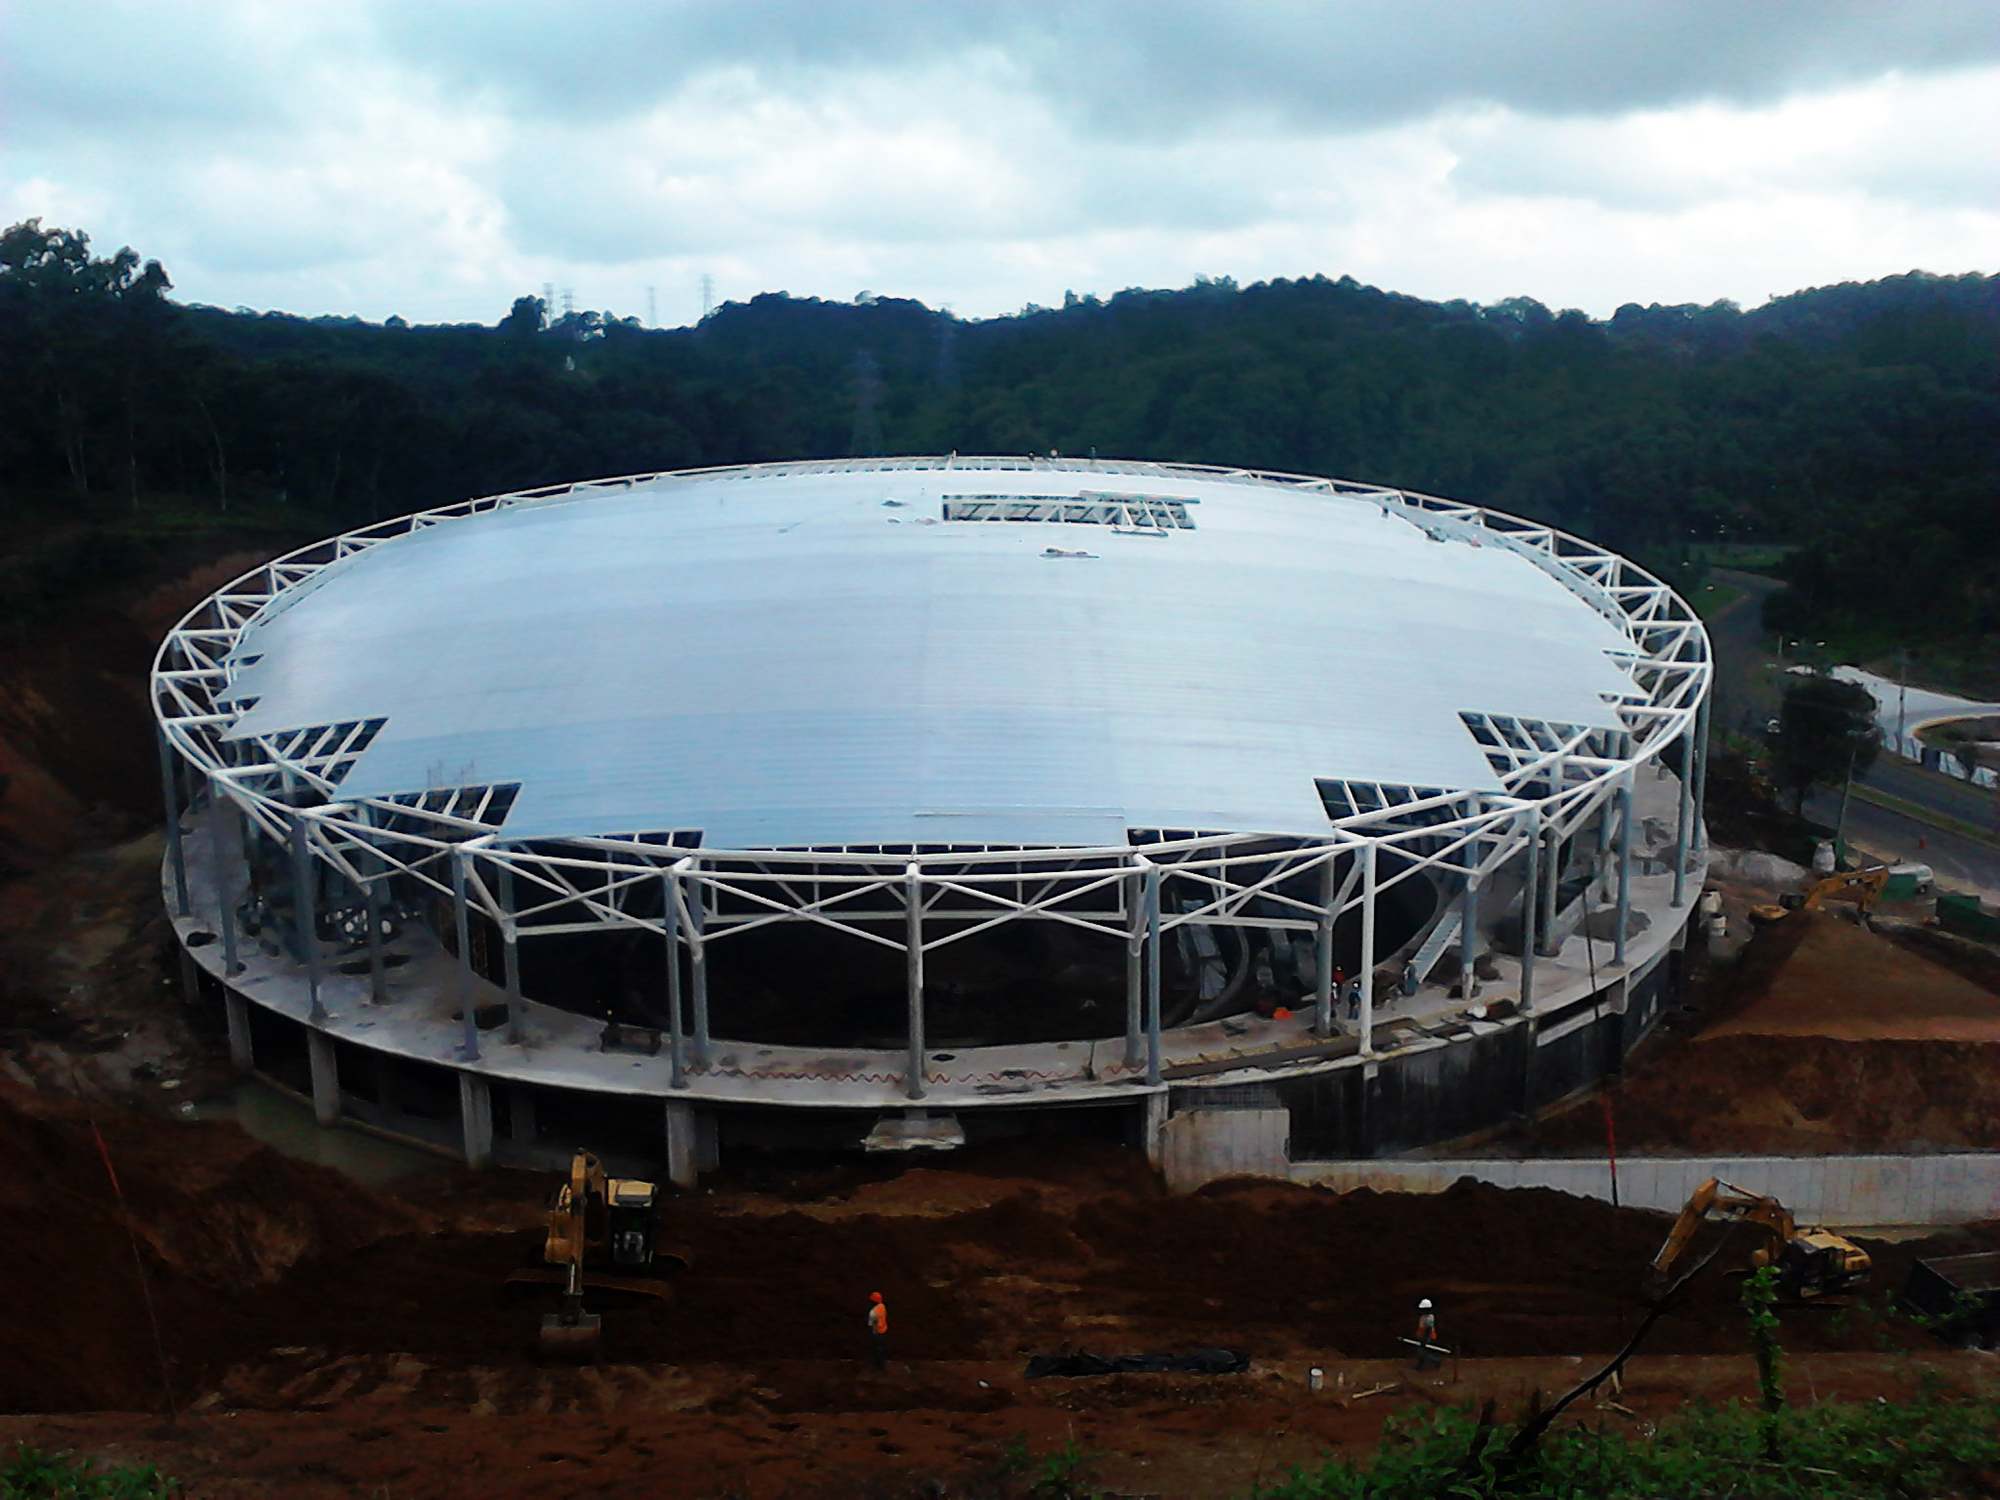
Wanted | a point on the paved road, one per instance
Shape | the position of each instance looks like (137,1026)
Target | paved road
(1960,863)
(1747,693)
(1945,795)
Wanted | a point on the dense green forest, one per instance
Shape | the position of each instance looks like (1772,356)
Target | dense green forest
(1859,422)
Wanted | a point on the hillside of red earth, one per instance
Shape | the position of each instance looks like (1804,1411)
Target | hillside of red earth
(285,1294)
(87,1004)
(1824,1037)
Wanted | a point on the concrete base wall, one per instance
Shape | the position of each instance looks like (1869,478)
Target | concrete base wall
(1833,1190)
(1201,1145)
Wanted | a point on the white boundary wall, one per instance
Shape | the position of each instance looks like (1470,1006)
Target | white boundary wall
(1835,1190)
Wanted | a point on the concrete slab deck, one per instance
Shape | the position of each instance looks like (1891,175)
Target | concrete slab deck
(419,1018)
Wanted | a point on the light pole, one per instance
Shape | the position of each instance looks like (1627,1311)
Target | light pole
(1902,693)
(1846,791)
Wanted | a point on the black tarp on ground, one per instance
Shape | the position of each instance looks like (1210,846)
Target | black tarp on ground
(1197,1362)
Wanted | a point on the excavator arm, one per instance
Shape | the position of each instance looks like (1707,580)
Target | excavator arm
(1693,1214)
(569,1238)
(1715,1197)
(1811,1265)
(1864,887)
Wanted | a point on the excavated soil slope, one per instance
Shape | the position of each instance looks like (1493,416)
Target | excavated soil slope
(1825,1038)
(211,1216)
(1842,980)
(84,947)
(323,1341)
(247,1253)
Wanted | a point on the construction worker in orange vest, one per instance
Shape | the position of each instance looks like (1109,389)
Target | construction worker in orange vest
(878,1329)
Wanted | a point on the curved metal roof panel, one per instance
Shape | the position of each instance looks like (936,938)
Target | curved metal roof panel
(798,656)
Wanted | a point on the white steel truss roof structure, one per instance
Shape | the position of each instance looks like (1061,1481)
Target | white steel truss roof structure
(914,698)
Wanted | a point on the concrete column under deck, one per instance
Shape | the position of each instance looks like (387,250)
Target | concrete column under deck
(683,1157)
(325,1077)
(1155,1126)
(475,1120)
(236,1015)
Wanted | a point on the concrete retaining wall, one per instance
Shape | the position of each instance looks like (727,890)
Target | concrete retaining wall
(1205,1144)
(1835,1190)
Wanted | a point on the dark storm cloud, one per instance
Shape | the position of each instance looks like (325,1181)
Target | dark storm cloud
(1162,67)
(97,69)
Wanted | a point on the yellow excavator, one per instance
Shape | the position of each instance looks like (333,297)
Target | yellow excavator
(1814,1265)
(602,1232)
(1861,888)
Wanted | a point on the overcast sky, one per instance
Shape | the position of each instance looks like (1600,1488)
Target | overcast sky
(437,158)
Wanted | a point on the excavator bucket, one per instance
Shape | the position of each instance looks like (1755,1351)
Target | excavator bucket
(565,1336)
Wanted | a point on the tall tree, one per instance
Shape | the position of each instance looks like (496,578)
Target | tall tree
(1826,733)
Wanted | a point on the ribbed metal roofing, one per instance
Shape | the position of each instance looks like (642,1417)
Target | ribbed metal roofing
(790,656)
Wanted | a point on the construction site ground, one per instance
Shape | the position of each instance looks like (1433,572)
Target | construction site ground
(319,1338)
(324,1339)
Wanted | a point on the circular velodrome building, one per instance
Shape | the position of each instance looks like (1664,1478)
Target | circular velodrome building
(1269,820)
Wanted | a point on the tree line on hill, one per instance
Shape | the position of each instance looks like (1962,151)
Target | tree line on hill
(1860,422)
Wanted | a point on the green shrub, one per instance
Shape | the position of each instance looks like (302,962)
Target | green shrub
(31,1474)
(1931,1445)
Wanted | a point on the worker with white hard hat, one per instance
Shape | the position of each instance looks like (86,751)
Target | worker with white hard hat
(1427,1332)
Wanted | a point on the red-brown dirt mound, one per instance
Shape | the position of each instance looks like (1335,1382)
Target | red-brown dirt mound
(1824,1038)
(249,1255)
(1794,1096)
(1839,979)
(1278,1271)
(212,1214)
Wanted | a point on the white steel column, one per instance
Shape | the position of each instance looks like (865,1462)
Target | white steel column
(510,954)
(371,905)
(1152,886)
(1545,922)
(227,819)
(913,947)
(176,851)
(1323,996)
(1528,905)
(1365,969)
(697,966)
(1701,769)
(1133,886)
(305,918)
(1624,867)
(676,1042)
(462,922)
(1684,809)
(1468,920)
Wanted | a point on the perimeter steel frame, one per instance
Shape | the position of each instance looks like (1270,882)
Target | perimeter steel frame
(1555,780)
